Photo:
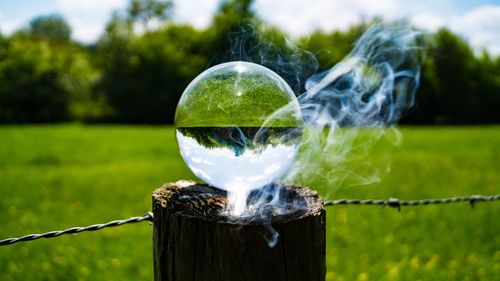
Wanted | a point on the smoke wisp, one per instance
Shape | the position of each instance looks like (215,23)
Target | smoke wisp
(349,108)
(346,110)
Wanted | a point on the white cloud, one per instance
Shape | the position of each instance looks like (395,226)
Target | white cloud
(88,18)
(10,26)
(87,29)
(299,17)
(427,21)
(196,12)
(83,31)
(481,26)
(90,5)
(86,32)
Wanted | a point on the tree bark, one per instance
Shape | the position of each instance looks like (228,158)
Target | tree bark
(194,240)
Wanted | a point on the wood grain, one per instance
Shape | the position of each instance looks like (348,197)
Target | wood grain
(193,240)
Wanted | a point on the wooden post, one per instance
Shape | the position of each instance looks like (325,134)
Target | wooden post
(192,241)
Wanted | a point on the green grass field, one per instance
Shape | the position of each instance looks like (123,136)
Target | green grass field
(54,177)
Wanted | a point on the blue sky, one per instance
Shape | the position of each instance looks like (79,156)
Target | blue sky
(478,21)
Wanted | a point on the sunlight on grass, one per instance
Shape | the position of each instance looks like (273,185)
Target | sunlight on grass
(54,177)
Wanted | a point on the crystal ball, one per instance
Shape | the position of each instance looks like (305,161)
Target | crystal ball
(238,126)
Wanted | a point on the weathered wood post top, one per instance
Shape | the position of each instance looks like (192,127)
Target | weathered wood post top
(195,239)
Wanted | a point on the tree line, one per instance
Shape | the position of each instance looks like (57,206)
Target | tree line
(132,77)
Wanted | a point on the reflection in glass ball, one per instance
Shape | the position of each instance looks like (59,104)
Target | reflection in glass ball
(238,127)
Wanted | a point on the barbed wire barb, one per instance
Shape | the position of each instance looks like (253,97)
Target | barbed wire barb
(391,202)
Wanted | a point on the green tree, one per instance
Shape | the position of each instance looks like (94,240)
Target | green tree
(239,34)
(43,80)
(233,27)
(456,87)
(331,48)
(52,27)
(233,12)
(487,86)
(30,89)
(144,11)
(447,91)
(144,77)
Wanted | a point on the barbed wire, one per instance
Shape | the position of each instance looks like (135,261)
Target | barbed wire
(392,202)
(74,230)
(396,203)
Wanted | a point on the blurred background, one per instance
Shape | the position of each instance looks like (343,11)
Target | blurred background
(82,83)
(128,62)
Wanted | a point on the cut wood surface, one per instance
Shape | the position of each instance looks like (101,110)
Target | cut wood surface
(194,239)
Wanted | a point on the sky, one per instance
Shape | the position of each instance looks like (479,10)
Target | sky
(476,20)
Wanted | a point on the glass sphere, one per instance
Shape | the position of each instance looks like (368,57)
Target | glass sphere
(238,126)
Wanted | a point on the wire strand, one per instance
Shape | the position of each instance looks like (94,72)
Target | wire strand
(74,230)
(391,202)
(396,203)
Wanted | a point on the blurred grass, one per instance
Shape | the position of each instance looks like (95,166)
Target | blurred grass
(54,177)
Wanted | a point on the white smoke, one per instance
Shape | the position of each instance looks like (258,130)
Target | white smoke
(348,108)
